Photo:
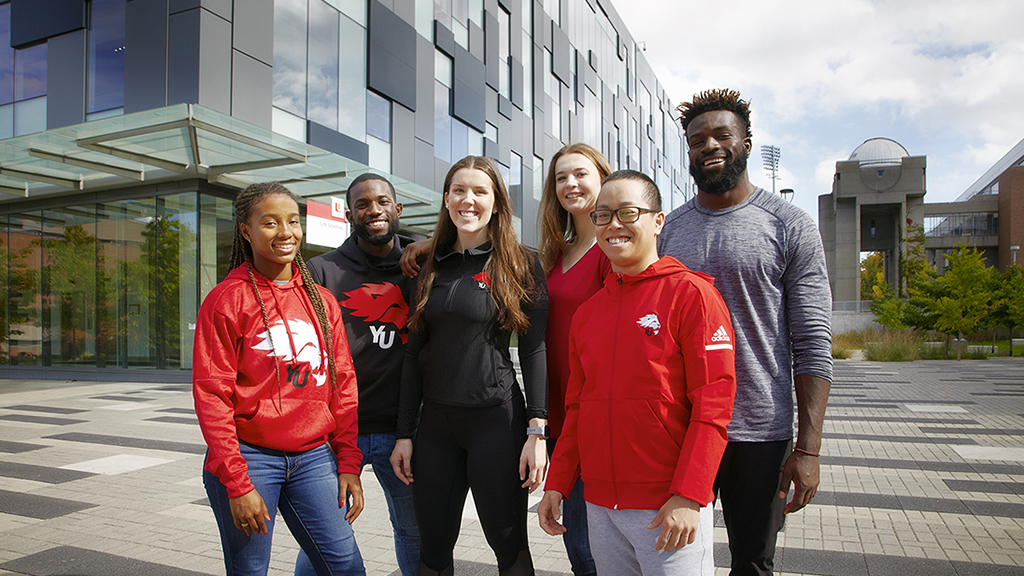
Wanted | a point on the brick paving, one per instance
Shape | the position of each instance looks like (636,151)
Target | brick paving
(922,473)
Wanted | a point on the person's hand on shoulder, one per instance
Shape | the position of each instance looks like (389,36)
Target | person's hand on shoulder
(414,255)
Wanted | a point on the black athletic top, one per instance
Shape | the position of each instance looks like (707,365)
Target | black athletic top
(374,296)
(462,357)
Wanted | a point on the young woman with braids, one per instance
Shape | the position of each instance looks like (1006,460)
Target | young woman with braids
(476,431)
(275,394)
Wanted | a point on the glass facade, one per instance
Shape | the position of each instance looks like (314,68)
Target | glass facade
(114,227)
(111,285)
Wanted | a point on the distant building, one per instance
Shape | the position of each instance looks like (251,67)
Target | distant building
(879,192)
(128,127)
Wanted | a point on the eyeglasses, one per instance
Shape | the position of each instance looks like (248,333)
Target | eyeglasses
(626,215)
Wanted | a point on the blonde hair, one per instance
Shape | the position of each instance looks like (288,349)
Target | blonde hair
(554,222)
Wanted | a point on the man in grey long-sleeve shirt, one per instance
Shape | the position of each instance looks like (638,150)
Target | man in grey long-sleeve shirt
(768,263)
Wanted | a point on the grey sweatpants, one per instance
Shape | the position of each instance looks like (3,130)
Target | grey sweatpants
(622,545)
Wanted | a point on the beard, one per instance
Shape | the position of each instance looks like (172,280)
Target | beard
(727,180)
(377,239)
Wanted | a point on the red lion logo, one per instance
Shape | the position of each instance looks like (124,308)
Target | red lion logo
(379,303)
(484,279)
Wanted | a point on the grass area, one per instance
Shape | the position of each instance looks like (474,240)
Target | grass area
(893,346)
(909,345)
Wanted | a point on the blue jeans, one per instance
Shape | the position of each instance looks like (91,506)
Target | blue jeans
(576,537)
(376,449)
(304,486)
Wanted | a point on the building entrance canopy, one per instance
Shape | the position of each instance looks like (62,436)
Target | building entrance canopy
(186,141)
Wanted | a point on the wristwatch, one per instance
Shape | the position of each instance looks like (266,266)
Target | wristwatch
(541,431)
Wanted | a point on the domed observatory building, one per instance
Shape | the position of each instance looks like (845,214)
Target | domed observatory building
(876,195)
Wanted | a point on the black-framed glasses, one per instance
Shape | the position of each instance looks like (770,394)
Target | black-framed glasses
(626,215)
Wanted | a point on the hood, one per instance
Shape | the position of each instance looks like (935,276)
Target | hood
(664,266)
(359,260)
(242,273)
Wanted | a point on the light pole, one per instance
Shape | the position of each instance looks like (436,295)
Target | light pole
(1013,250)
(787,194)
(770,159)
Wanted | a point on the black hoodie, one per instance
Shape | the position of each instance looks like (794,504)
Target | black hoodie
(374,297)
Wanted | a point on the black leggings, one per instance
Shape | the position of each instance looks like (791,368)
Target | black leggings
(460,448)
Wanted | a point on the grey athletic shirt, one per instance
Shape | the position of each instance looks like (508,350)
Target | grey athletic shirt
(768,263)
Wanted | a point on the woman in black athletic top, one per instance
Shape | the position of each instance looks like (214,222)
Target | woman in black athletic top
(476,431)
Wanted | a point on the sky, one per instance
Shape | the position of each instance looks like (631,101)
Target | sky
(944,78)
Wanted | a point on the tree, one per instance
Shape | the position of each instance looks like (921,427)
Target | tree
(888,308)
(1010,304)
(871,275)
(967,300)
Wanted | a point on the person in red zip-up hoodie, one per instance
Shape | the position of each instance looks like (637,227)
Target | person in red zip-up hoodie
(650,393)
(275,394)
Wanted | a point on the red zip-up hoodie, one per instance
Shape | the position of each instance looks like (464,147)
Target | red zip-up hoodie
(240,394)
(650,393)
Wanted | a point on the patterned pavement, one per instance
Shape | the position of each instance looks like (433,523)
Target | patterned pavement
(922,473)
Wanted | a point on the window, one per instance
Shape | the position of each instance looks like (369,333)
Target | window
(105,56)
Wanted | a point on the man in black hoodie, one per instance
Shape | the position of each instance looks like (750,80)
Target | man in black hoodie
(374,295)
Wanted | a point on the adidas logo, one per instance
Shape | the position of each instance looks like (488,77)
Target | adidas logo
(720,335)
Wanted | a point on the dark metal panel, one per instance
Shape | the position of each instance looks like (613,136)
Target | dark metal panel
(35,20)
(538,74)
(505,107)
(541,26)
(424,169)
(323,137)
(425,89)
(517,84)
(491,55)
(440,171)
(444,39)
(253,30)
(65,99)
(468,103)
(145,57)
(392,56)
(221,8)
(183,42)
(403,150)
(518,142)
(504,140)
(252,90)
(214,62)
(476,41)
(561,55)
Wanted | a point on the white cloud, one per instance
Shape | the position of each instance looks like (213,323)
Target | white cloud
(941,77)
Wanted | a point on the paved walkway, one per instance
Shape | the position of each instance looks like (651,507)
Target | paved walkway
(923,473)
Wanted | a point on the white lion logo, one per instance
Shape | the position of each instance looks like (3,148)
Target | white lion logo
(650,324)
(304,336)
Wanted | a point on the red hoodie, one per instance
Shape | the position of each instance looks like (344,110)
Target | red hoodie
(235,384)
(650,392)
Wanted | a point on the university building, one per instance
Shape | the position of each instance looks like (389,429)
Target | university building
(879,192)
(128,126)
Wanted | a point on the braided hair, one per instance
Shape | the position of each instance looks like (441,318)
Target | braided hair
(241,253)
